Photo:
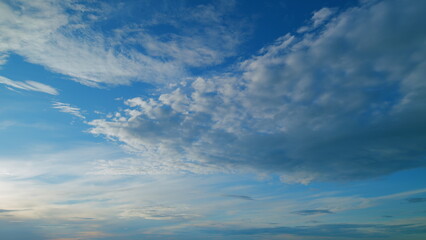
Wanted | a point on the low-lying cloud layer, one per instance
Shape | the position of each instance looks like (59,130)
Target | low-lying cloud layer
(343,102)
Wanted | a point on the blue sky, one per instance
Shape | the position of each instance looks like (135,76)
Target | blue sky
(212,119)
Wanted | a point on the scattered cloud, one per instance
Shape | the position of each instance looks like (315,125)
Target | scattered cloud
(29,86)
(331,105)
(67,108)
(312,212)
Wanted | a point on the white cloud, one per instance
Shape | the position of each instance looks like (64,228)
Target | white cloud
(43,33)
(67,108)
(319,18)
(29,86)
(331,105)
(59,35)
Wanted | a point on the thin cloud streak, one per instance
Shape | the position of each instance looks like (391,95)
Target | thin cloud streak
(243,197)
(67,108)
(312,212)
(29,86)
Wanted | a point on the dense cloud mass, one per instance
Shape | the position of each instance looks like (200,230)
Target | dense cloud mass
(344,101)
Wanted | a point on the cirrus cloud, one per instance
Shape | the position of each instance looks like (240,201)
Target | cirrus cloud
(29,86)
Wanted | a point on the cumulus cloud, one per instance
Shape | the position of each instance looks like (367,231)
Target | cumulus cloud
(67,108)
(28,86)
(340,104)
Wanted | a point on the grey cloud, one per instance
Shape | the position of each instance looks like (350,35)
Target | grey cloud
(312,212)
(415,200)
(8,210)
(337,105)
(238,196)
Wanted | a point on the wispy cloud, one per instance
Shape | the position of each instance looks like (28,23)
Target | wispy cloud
(312,212)
(318,18)
(67,108)
(29,86)
(8,210)
(60,36)
(160,213)
(243,197)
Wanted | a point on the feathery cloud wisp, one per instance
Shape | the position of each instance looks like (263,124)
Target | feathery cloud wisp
(67,108)
(29,86)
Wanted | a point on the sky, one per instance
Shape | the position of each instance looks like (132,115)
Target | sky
(197,119)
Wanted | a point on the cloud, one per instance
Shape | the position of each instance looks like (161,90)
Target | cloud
(367,231)
(333,105)
(160,213)
(318,18)
(238,196)
(67,108)
(202,35)
(415,200)
(64,37)
(7,210)
(29,86)
(312,212)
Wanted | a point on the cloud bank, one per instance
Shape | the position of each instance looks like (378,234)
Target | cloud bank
(344,102)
